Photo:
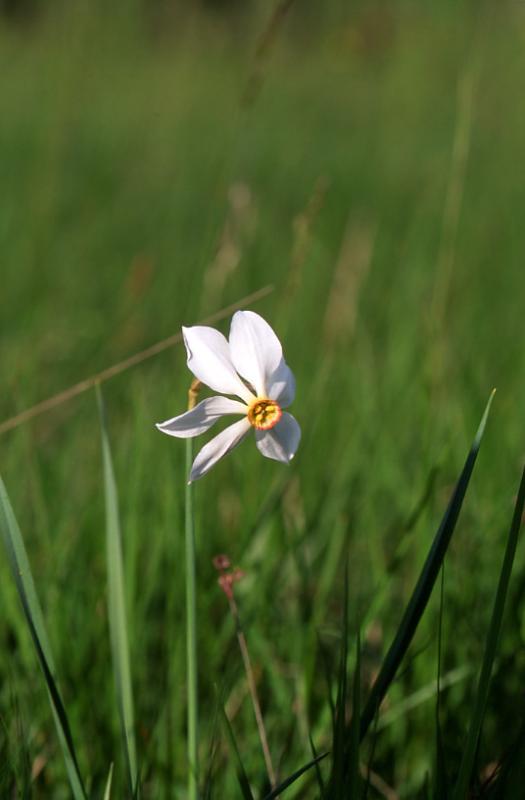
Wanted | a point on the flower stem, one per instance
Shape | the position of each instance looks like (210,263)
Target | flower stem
(191,627)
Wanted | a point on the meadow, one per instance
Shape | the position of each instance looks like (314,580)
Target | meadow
(366,168)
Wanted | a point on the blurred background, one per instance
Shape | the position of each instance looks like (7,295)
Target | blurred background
(161,160)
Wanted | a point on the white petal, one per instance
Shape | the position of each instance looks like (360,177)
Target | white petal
(209,360)
(202,417)
(219,446)
(281,385)
(255,349)
(282,441)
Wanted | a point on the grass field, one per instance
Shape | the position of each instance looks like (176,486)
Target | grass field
(373,177)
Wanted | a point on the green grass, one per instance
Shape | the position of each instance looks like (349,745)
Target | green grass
(136,196)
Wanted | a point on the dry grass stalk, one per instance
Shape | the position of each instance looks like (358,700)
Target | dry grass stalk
(264,46)
(303,225)
(353,264)
(238,230)
(122,366)
(227,580)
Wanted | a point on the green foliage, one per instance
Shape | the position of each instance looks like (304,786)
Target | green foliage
(23,580)
(466,769)
(244,783)
(118,627)
(420,597)
(138,195)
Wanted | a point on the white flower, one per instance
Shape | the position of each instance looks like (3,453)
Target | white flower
(251,366)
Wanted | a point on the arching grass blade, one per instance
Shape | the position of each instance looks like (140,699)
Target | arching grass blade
(107,791)
(318,775)
(116,606)
(440,787)
(339,757)
(353,760)
(242,777)
(21,571)
(425,584)
(295,776)
(491,646)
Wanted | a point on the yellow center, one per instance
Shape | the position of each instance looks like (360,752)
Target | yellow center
(263,413)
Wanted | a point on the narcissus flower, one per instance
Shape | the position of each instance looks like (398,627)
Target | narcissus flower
(251,366)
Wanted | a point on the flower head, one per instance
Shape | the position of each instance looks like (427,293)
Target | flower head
(250,365)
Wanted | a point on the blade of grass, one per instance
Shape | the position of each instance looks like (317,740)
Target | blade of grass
(440,777)
(242,777)
(337,788)
(491,646)
(326,665)
(353,759)
(318,775)
(422,695)
(107,792)
(370,761)
(418,601)
(116,605)
(295,776)
(21,571)
(208,778)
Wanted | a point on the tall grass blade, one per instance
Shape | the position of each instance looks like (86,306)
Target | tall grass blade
(337,779)
(107,791)
(318,775)
(208,778)
(425,584)
(370,760)
(295,776)
(21,571)
(423,695)
(242,777)
(440,787)
(491,646)
(353,756)
(116,606)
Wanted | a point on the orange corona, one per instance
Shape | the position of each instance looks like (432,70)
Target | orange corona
(264,413)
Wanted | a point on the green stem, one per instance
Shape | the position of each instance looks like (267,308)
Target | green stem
(191,636)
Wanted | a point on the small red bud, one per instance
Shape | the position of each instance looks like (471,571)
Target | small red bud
(221,562)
